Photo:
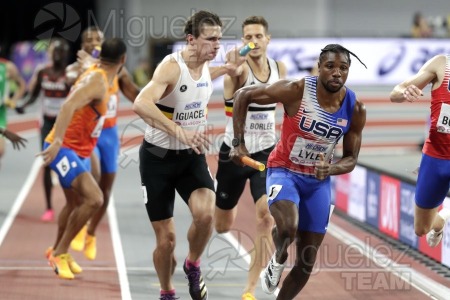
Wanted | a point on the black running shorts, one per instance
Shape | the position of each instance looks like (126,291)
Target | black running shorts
(165,171)
(231,178)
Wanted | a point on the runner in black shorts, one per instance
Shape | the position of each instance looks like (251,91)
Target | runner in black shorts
(174,105)
(260,140)
(171,170)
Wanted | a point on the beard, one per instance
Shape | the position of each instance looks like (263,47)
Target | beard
(332,88)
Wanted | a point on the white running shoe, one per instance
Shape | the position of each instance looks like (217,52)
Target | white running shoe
(270,276)
(434,238)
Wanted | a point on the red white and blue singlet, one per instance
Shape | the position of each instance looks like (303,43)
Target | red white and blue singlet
(437,144)
(311,131)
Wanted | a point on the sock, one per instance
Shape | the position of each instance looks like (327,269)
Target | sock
(444,213)
(170,292)
(192,263)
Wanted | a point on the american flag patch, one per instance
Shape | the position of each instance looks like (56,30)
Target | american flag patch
(341,122)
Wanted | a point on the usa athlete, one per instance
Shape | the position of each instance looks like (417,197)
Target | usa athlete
(319,112)
(433,179)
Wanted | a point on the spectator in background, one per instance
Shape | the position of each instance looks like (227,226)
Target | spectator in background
(420,28)
(141,75)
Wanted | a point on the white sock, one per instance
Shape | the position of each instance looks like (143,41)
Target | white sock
(444,213)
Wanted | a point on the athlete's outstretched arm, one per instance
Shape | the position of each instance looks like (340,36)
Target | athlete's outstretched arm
(411,89)
(284,91)
(232,66)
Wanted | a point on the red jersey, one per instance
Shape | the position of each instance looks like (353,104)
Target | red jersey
(438,141)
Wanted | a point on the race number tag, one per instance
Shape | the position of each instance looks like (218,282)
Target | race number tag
(112,106)
(190,115)
(306,152)
(443,123)
(63,166)
(261,121)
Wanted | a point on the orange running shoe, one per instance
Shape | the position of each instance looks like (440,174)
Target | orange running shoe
(73,265)
(60,264)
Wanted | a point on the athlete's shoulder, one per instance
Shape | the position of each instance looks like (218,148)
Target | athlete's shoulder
(167,71)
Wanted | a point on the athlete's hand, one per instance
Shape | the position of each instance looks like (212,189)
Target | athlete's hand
(236,154)
(197,140)
(233,62)
(322,168)
(15,139)
(412,93)
(85,59)
(49,154)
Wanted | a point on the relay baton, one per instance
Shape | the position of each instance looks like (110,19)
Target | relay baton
(253,163)
(96,52)
(246,49)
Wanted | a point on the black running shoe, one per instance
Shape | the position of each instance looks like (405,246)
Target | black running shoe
(197,287)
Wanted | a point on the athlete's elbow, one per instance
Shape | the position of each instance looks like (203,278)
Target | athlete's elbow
(241,95)
(138,106)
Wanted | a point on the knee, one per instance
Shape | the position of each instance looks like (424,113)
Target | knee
(222,227)
(203,220)
(421,231)
(96,201)
(287,231)
(265,222)
(421,228)
(166,243)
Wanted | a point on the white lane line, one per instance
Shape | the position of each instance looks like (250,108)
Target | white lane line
(421,282)
(24,191)
(118,251)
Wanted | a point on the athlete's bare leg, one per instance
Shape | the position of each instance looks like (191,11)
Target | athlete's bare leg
(285,215)
(308,244)
(261,253)
(92,198)
(201,204)
(106,184)
(163,256)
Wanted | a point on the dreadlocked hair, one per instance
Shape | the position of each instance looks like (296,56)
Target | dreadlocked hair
(336,48)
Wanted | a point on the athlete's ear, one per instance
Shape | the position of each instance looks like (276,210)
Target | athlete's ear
(189,39)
